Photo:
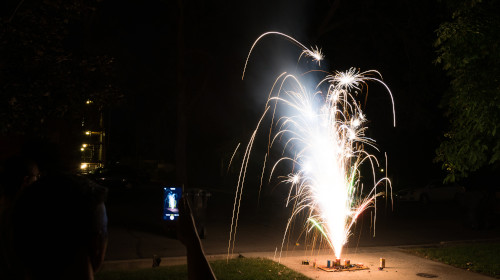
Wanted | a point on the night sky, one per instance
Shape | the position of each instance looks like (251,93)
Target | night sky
(394,37)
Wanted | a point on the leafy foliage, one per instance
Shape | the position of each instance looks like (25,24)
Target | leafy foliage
(46,69)
(467,48)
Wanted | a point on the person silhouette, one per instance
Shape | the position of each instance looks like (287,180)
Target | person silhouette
(57,229)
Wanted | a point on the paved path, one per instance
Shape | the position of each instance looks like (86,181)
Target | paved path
(399,265)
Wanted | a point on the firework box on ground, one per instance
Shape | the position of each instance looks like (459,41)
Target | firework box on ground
(351,267)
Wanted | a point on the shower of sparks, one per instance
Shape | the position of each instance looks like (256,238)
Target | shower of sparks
(325,131)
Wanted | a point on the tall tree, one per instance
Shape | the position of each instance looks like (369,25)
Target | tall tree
(467,48)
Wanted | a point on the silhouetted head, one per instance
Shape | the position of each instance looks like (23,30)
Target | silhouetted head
(18,172)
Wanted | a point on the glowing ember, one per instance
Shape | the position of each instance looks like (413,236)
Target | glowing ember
(325,132)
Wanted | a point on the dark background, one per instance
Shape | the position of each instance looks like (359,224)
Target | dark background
(197,49)
(166,76)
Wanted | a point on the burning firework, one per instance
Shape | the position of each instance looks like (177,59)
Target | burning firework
(325,132)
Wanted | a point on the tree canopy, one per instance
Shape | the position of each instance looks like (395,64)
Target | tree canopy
(47,69)
(467,48)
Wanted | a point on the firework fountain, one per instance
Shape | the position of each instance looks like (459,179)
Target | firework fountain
(325,133)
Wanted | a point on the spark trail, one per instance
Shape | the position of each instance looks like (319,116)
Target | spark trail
(324,130)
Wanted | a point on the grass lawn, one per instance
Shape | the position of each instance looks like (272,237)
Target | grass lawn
(478,257)
(241,268)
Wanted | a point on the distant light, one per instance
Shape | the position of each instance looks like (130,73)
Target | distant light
(89,102)
(84,145)
(87,132)
(82,149)
(381,170)
(83,166)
